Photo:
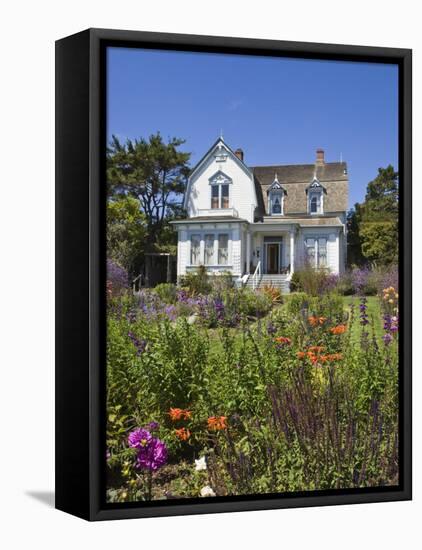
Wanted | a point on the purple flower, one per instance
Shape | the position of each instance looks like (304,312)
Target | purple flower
(219,308)
(139,438)
(152,456)
(117,276)
(360,279)
(152,426)
(140,345)
(171,312)
(387,339)
(271,329)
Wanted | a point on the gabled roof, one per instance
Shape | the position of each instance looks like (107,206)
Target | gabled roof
(224,144)
(220,141)
(296,179)
(301,173)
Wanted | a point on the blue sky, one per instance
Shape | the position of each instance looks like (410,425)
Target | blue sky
(278,110)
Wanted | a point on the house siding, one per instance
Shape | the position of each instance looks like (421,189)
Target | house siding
(241,190)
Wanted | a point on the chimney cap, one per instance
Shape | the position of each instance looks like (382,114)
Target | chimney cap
(320,160)
(239,153)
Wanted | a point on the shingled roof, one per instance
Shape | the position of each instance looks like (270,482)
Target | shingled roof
(295,178)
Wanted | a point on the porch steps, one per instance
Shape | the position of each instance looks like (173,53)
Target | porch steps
(278,281)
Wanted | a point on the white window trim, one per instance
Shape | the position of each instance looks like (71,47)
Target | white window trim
(315,192)
(213,182)
(270,200)
(216,233)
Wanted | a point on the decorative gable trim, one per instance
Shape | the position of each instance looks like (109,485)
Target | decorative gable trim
(221,152)
(220,178)
(276,186)
(315,185)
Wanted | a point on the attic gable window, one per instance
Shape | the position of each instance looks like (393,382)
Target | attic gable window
(315,193)
(276,198)
(220,190)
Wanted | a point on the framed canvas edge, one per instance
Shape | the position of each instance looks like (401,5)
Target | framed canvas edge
(101,37)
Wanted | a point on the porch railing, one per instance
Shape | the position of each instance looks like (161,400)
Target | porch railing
(256,277)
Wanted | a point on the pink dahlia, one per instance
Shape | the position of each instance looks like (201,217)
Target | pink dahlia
(152,456)
(139,438)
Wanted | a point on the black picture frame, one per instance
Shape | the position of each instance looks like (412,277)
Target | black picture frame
(80,270)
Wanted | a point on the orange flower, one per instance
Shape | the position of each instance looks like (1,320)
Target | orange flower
(323,358)
(178,414)
(312,357)
(217,423)
(335,357)
(283,340)
(300,354)
(175,414)
(183,434)
(315,321)
(339,329)
(316,349)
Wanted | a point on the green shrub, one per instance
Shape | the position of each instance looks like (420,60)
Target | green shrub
(313,281)
(221,282)
(254,304)
(296,302)
(166,292)
(197,282)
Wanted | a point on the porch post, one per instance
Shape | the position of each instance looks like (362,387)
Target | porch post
(248,252)
(292,252)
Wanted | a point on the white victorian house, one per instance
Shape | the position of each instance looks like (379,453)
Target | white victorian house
(262,222)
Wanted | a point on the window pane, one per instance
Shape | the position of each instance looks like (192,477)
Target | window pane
(310,252)
(209,249)
(322,252)
(276,202)
(223,249)
(214,196)
(224,196)
(314,204)
(195,249)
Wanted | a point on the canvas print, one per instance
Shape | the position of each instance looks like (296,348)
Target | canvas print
(252,275)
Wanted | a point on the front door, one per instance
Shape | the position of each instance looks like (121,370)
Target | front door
(272,258)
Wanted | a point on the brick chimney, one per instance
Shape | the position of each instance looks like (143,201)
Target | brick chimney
(239,154)
(320,160)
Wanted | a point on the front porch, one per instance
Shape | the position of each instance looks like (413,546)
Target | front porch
(270,253)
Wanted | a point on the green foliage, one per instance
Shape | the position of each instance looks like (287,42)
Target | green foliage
(126,231)
(380,243)
(146,180)
(312,281)
(167,292)
(373,225)
(197,282)
(295,421)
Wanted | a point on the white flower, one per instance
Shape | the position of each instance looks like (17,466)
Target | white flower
(207,491)
(200,464)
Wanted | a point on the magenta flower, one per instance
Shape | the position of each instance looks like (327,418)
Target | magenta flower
(152,426)
(152,456)
(139,438)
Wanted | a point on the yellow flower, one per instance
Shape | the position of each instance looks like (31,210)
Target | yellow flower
(391,301)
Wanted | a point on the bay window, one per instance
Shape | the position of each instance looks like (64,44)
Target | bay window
(316,252)
(195,249)
(223,249)
(209,249)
